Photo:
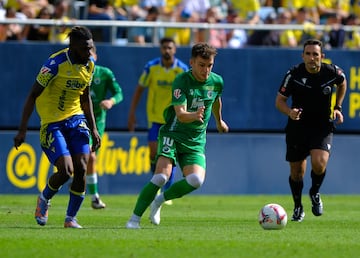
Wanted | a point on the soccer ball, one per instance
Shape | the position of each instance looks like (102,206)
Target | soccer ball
(272,216)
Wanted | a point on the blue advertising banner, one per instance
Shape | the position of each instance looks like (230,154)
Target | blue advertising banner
(252,77)
(236,164)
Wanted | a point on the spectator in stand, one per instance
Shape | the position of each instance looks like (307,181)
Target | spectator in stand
(248,10)
(308,31)
(295,5)
(327,8)
(215,37)
(355,8)
(30,8)
(236,38)
(172,10)
(143,35)
(352,38)
(59,34)
(197,9)
(13,31)
(147,4)
(287,37)
(334,35)
(181,36)
(105,10)
(222,8)
(265,37)
(38,32)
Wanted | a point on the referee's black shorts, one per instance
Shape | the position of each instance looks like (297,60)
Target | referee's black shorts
(300,140)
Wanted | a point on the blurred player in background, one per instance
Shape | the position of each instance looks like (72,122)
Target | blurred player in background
(310,126)
(195,95)
(103,83)
(63,102)
(158,76)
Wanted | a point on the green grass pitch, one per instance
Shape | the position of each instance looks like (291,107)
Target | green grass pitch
(194,226)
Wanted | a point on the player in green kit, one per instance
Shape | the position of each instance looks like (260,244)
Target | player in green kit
(195,95)
(103,83)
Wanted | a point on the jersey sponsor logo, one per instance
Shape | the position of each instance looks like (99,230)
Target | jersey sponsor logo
(74,84)
(164,83)
(177,93)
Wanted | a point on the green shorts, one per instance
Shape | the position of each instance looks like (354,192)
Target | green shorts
(181,153)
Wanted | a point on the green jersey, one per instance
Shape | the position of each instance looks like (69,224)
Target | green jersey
(104,83)
(186,90)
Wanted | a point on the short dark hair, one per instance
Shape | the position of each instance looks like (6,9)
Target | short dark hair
(204,50)
(79,33)
(313,42)
(166,40)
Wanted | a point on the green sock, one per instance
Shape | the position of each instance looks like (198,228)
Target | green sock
(146,196)
(178,190)
(92,185)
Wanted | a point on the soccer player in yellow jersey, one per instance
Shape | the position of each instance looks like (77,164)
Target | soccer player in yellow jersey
(157,76)
(62,99)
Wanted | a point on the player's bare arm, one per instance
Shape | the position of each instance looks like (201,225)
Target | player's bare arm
(86,105)
(134,103)
(187,117)
(282,106)
(340,95)
(221,126)
(36,90)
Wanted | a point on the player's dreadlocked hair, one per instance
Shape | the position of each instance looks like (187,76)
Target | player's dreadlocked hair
(79,33)
(203,50)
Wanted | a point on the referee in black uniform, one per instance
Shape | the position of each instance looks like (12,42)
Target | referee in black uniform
(311,120)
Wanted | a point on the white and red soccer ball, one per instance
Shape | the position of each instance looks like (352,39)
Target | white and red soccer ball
(272,216)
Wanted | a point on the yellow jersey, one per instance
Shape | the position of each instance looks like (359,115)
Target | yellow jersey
(64,83)
(245,8)
(158,79)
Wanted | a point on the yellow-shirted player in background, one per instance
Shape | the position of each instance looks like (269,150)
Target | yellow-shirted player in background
(158,76)
(63,102)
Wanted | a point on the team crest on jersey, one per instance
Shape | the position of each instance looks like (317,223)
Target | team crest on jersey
(45,70)
(327,90)
(210,94)
(97,80)
(177,93)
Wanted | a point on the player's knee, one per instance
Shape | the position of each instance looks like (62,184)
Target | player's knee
(159,179)
(195,180)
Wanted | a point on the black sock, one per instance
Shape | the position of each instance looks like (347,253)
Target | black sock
(316,182)
(296,190)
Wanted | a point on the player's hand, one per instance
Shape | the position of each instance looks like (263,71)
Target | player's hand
(199,114)
(106,104)
(96,140)
(19,139)
(222,127)
(295,113)
(338,117)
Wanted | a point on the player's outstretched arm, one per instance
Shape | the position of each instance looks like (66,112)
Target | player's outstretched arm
(221,126)
(29,105)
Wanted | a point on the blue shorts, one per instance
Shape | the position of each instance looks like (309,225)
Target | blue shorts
(65,138)
(154,132)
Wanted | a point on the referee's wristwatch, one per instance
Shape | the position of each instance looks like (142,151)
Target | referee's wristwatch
(338,107)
